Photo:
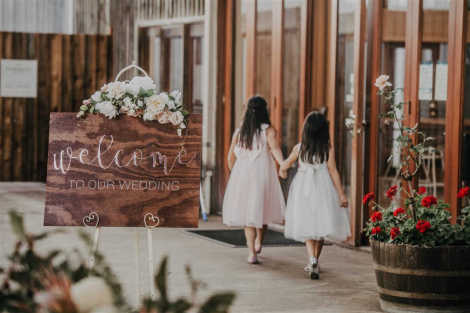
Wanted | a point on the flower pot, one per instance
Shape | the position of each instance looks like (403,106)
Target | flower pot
(417,279)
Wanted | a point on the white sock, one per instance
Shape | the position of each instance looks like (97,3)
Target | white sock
(313,260)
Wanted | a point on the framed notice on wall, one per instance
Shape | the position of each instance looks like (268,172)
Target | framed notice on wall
(122,170)
(18,78)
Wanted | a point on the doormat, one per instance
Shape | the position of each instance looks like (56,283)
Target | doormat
(236,237)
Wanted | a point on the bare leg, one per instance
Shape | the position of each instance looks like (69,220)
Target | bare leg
(310,245)
(259,238)
(250,234)
(318,246)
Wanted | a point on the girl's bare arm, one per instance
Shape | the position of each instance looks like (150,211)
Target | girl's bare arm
(273,145)
(231,153)
(336,179)
(294,155)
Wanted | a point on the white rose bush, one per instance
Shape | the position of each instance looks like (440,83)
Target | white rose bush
(137,98)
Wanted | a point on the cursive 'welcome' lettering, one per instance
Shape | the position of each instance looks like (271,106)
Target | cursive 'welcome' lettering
(62,160)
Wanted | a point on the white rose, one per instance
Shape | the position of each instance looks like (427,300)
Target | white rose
(107,108)
(143,82)
(105,309)
(163,117)
(176,94)
(382,81)
(176,118)
(91,293)
(96,96)
(155,104)
(148,116)
(116,89)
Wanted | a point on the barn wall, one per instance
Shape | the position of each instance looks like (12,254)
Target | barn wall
(70,69)
(55,16)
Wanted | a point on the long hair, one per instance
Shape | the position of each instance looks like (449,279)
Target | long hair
(315,145)
(255,115)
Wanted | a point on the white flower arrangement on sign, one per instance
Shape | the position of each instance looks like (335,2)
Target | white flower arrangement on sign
(139,98)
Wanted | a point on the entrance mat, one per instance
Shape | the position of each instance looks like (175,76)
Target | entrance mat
(236,237)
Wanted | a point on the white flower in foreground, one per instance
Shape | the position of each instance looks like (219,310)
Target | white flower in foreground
(105,309)
(179,131)
(107,108)
(156,104)
(96,96)
(149,116)
(163,117)
(144,82)
(382,81)
(176,94)
(116,89)
(176,118)
(128,103)
(91,293)
(182,125)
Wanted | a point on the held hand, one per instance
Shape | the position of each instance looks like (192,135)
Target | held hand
(344,201)
(282,173)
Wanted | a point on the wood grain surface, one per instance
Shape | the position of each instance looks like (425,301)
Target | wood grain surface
(122,169)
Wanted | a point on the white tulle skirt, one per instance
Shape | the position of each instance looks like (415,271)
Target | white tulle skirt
(313,207)
(253,196)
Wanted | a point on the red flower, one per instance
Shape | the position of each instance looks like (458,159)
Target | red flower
(398,211)
(428,201)
(376,216)
(423,226)
(394,232)
(421,190)
(376,230)
(465,191)
(392,191)
(368,197)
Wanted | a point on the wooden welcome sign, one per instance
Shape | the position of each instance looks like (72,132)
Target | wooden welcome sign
(123,170)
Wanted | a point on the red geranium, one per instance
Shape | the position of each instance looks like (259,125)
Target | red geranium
(398,211)
(421,190)
(423,226)
(376,216)
(368,197)
(465,191)
(392,191)
(376,230)
(428,201)
(394,232)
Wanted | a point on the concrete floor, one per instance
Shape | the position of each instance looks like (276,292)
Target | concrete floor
(347,282)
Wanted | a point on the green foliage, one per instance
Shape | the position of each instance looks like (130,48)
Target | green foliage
(26,276)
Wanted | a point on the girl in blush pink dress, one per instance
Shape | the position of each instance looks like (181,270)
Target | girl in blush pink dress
(253,196)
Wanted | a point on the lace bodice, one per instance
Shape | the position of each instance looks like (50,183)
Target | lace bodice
(259,145)
(307,166)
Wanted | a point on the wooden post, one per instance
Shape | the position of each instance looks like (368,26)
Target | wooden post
(358,136)
(277,41)
(250,63)
(454,106)
(413,40)
(330,95)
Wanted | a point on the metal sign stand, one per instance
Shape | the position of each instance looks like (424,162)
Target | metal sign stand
(150,222)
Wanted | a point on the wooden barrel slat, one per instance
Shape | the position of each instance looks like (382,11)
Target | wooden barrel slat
(423,277)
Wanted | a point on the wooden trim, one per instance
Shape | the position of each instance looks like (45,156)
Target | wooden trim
(319,47)
(454,106)
(305,62)
(277,68)
(413,42)
(357,175)
(330,95)
(250,64)
(374,70)
(187,67)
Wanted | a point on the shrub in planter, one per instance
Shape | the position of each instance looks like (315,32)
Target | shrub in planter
(421,259)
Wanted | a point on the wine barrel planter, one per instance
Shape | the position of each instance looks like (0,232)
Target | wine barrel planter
(416,279)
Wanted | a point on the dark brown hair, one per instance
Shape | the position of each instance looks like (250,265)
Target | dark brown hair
(256,114)
(315,145)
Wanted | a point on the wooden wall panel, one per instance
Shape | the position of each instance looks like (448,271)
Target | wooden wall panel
(70,68)
(454,106)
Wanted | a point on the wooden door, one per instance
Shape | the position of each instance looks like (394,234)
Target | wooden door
(350,95)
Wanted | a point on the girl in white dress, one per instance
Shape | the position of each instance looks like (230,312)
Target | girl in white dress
(316,207)
(253,196)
